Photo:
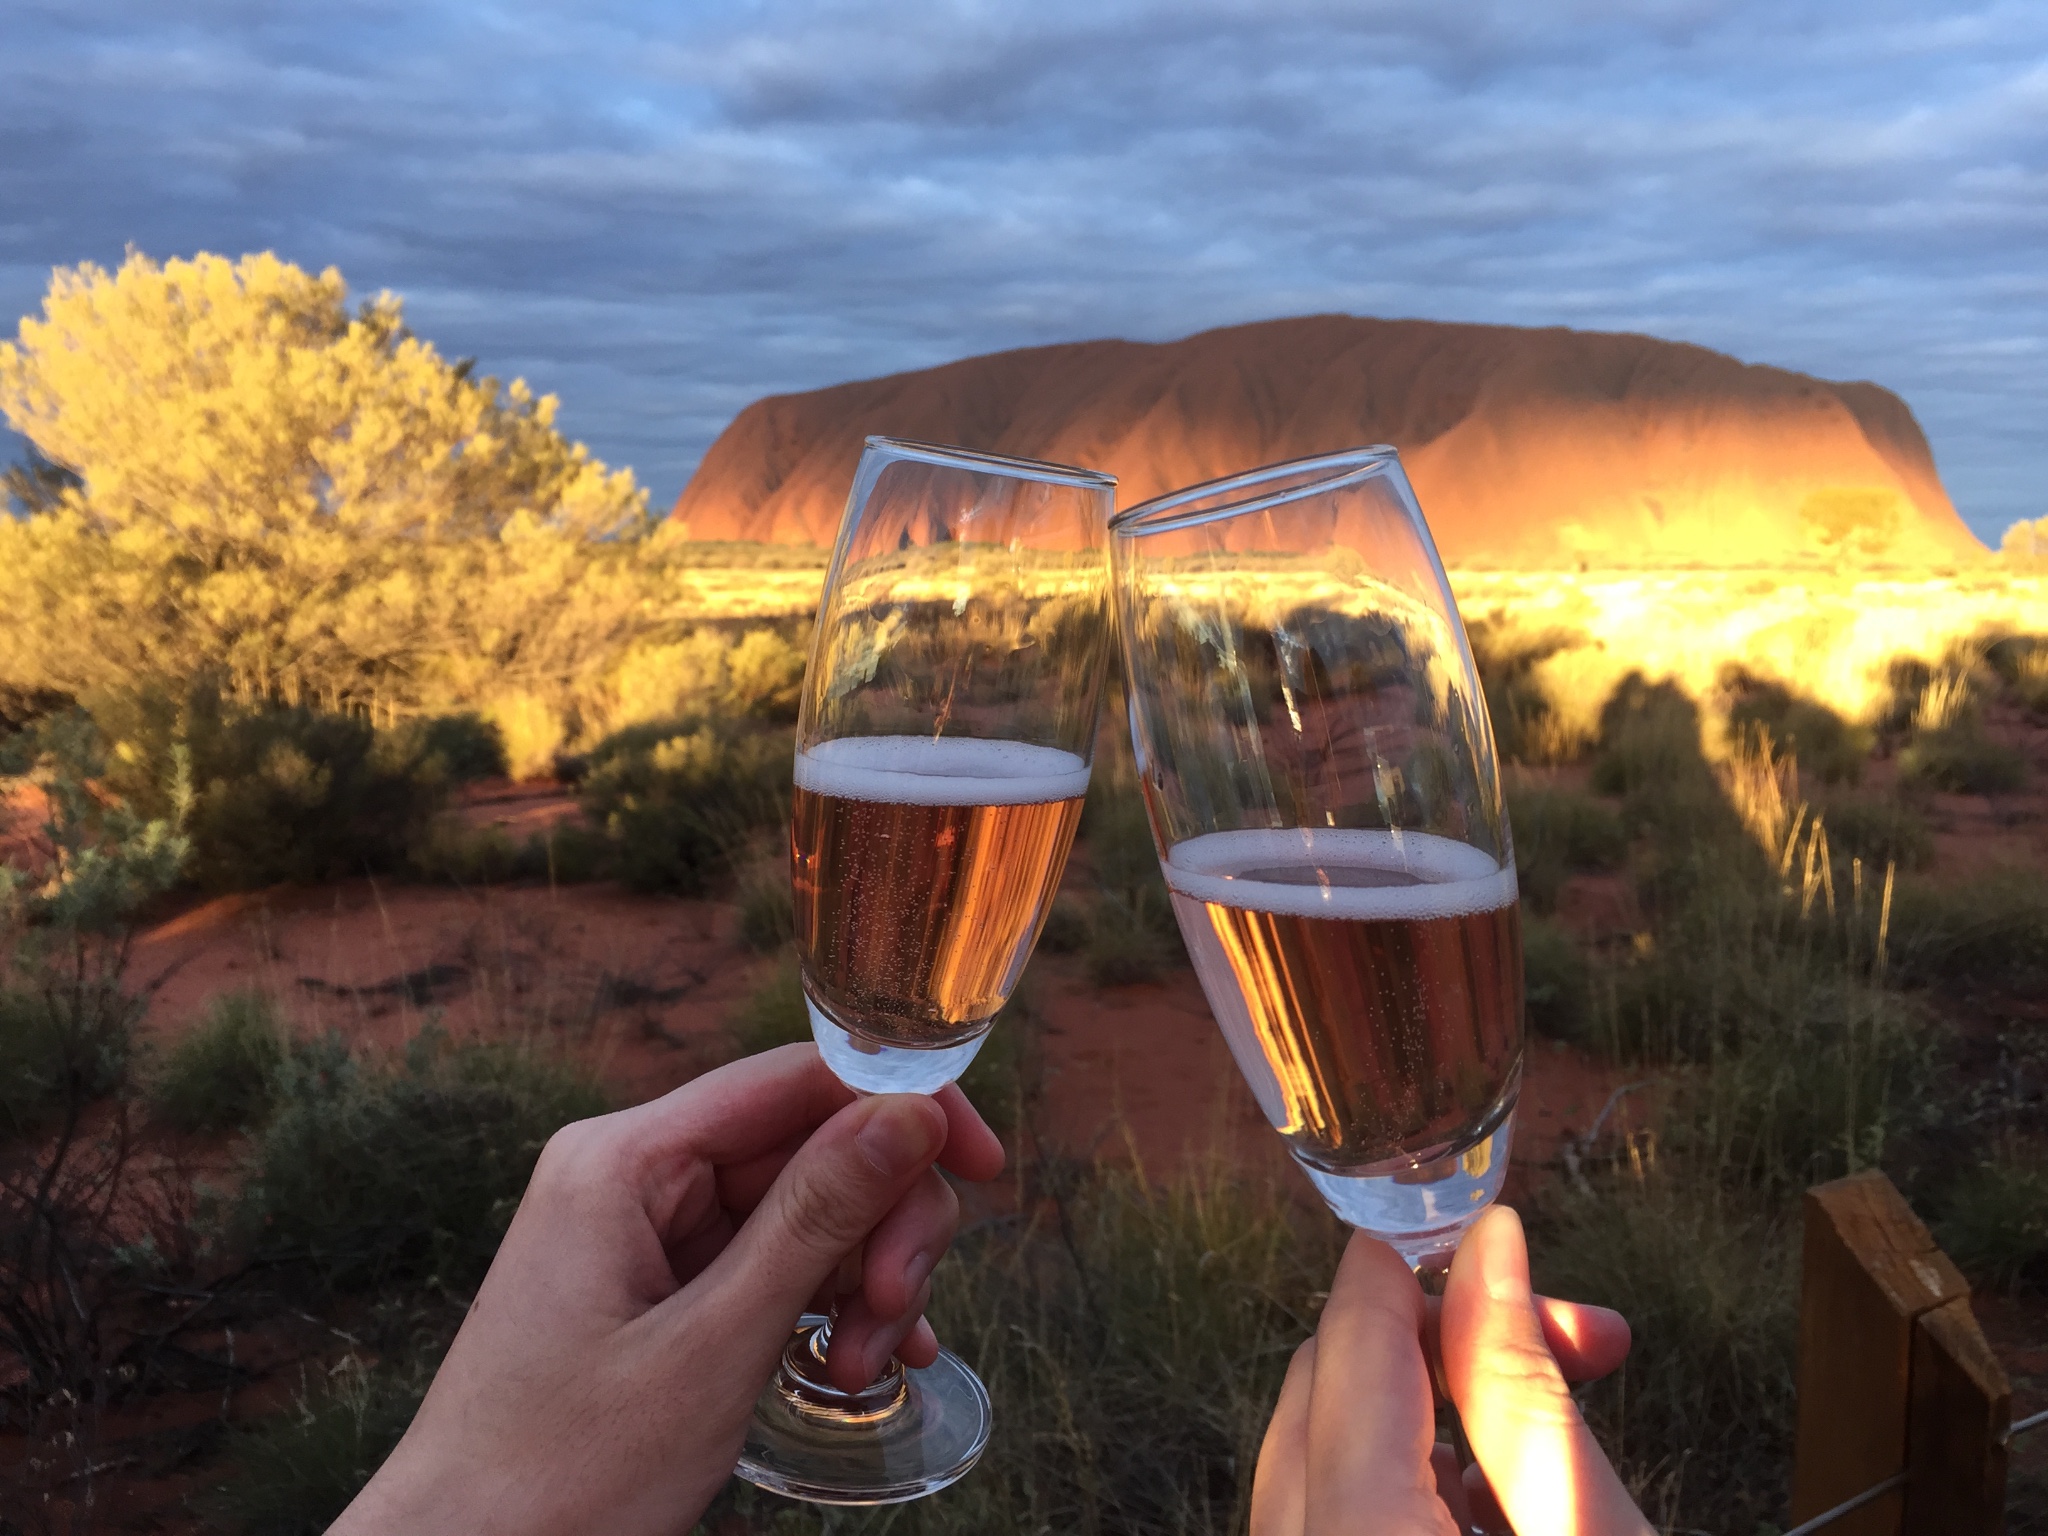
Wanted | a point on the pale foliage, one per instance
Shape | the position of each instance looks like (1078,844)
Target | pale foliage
(1763,787)
(1945,701)
(1831,639)
(2026,542)
(308,504)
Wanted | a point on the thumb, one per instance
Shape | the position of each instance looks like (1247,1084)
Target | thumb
(1545,1468)
(828,1197)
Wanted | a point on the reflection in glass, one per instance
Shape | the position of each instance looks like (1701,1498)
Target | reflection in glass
(1318,765)
(943,752)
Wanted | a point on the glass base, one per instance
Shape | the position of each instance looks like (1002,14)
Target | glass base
(1422,1210)
(923,1431)
(873,1067)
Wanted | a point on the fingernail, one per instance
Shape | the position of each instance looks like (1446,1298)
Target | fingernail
(915,1273)
(898,1138)
(1504,1256)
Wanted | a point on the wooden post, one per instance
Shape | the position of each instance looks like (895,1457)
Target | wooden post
(1870,1271)
(1955,1435)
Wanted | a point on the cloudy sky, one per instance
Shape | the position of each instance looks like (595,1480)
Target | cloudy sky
(662,210)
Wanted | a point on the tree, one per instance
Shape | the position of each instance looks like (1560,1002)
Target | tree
(305,503)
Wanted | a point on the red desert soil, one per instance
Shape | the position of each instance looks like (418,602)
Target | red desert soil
(1527,447)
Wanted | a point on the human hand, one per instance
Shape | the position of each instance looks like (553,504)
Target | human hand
(1350,1445)
(607,1370)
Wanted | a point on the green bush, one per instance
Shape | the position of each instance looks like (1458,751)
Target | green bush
(1131,938)
(1699,1421)
(1557,832)
(1650,754)
(453,851)
(1828,747)
(278,794)
(774,1013)
(767,918)
(406,1173)
(1994,1223)
(293,1473)
(1557,980)
(1067,926)
(1525,724)
(1879,832)
(467,747)
(1990,930)
(62,1045)
(677,800)
(1963,760)
(222,1074)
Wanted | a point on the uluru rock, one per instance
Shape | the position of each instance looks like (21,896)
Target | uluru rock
(1526,447)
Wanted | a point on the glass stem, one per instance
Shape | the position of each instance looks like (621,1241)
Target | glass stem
(1433,1274)
(805,1383)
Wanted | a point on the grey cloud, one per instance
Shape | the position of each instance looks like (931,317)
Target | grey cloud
(661,216)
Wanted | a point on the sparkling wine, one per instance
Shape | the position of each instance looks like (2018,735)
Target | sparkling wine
(923,869)
(1369,983)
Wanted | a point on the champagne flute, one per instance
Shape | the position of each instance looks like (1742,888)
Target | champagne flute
(943,749)
(1317,761)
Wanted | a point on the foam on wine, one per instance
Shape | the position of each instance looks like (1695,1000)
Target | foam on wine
(1360,874)
(944,770)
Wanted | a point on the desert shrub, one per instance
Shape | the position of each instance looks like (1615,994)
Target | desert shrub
(59,1046)
(1067,926)
(1649,740)
(712,671)
(1128,940)
(452,850)
(1994,1222)
(1130,934)
(278,794)
(1557,980)
(676,800)
(767,918)
(1988,930)
(405,1172)
(2020,663)
(1699,1419)
(1879,832)
(1557,832)
(1963,760)
(293,1473)
(774,1013)
(1516,668)
(222,1073)
(467,746)
(1828,747)
(571,852)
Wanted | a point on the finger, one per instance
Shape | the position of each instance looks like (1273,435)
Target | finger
(844,1181)
(1587,1342)
(920,1346)
(1549,1475)
(973,1151)
(1450,1484)
(863,1342)
(1277,1485)
(1372,1417)
(741,1111)
(904,1249)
